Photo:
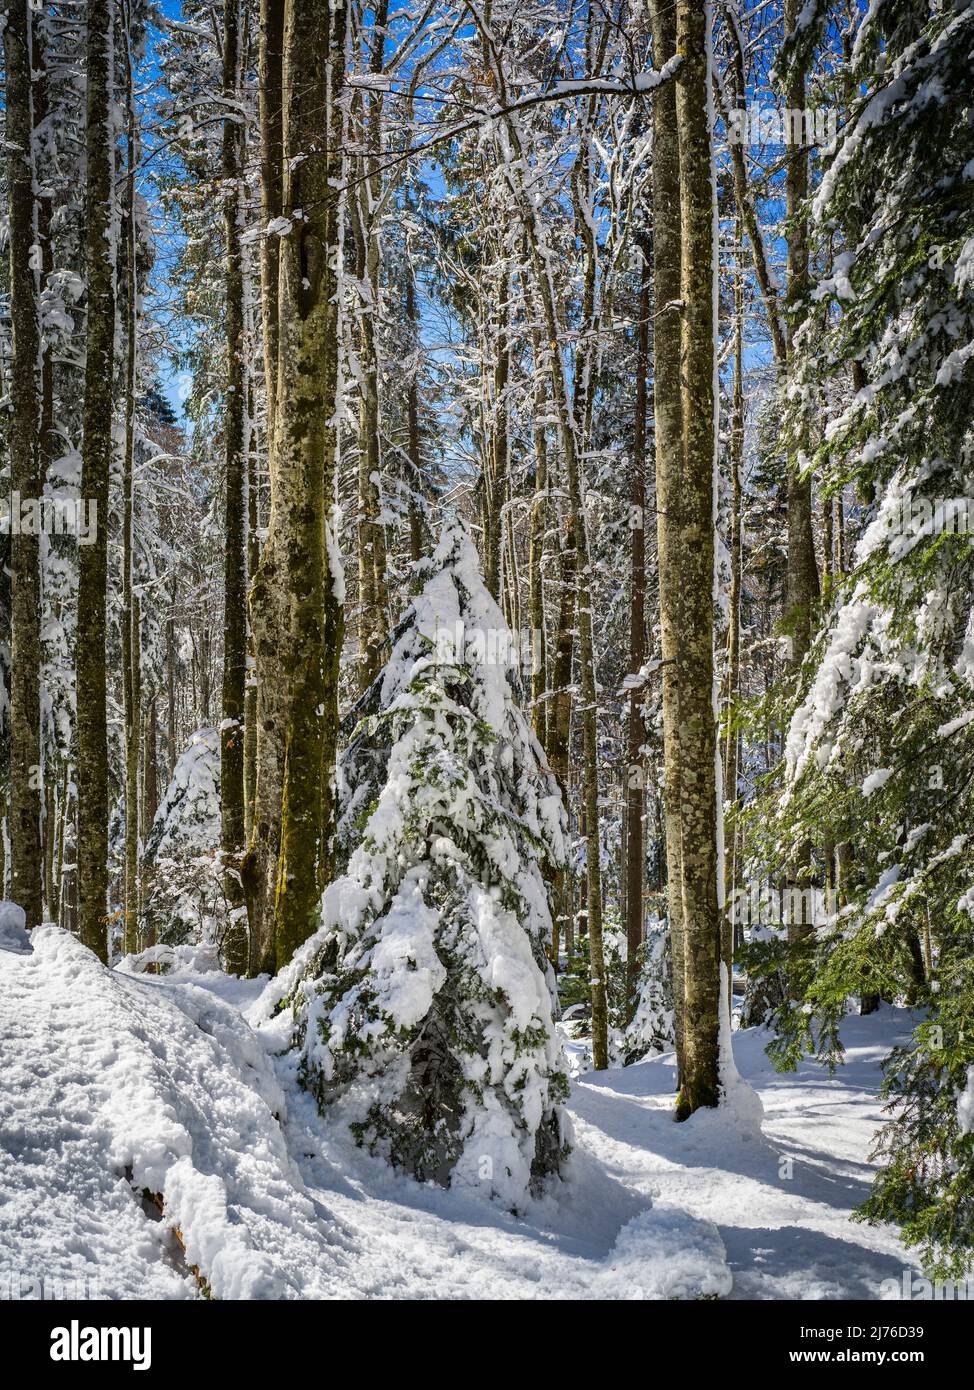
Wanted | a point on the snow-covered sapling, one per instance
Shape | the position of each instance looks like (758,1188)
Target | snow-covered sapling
(424,1003)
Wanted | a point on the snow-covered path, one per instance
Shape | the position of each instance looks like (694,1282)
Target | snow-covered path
(112,1082)
(782,1201)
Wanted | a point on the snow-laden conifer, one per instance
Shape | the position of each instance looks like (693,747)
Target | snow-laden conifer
(424,1005)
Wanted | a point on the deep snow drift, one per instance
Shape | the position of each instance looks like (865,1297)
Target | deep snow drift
(114,1084)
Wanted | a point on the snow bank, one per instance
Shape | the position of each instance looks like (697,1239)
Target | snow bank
(118,1082)
(114,1085)
(13,932)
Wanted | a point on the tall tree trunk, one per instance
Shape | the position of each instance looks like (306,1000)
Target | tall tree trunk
(269,614)
(668,413)
(95,471)
(307,444)
(373,592)
(700,1082)
(801,576)
(414,445)
(170,696)
(536,555)
(235,417)
(559,731)
(150,805)
(48,441)
(25,480)
(731,735)
(635,854)
(250,692)
(131,643)
(802,584)
(495,486)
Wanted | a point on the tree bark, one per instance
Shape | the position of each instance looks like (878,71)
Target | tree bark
(802,583)
(131,643)
(234,429)
(635,854)
(95,471)
(269,613)
(373,589)
(731,735)
(25,479)
(700,1082)
(668,412)
(536,555)
(307,443)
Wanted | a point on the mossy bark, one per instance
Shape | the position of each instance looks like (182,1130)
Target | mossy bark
(634,851)
(700,1081)
(307,447)
(25,479)
(269,614)
(668,413)
(235,463)
(96,455)
(131,628)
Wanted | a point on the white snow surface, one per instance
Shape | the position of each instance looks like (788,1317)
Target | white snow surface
(116,1082)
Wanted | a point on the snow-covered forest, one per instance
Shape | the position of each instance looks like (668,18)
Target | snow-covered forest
(487,649)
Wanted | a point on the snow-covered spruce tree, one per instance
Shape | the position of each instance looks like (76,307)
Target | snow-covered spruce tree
(880,750)
(424,1005)
(185,897)
(651,1028)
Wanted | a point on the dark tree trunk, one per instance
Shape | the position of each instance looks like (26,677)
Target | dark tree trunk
(25,479)
(92,779)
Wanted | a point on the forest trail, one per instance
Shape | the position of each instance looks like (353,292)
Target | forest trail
(785,1236)
(165,1076)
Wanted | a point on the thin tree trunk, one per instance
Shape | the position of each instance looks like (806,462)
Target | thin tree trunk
(731,735)
(25,480)
(668,412)
(635,854)
(131,644)
(536,554)
(802,586)
(496,485)
(373,593)
(92,840)
(234,427)
(415,482)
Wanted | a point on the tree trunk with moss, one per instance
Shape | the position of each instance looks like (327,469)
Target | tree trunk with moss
(373,585)
(131,643)
(269,613)
(25,477)
(700,1080)
(234,429)
(668,413)
(635,854)
(96,456)
(731,734)
(307,446)
(802,582)
(536,557)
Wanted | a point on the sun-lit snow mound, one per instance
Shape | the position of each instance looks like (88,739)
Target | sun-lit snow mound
(13,932)
(115,1084)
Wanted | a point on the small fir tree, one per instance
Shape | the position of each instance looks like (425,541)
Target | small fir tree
(424,1005)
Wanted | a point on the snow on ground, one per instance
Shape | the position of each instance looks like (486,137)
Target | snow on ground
(781,1201)
(116,1082)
